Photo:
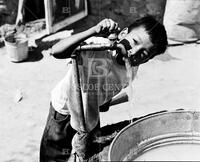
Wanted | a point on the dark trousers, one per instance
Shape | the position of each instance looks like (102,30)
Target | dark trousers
(56,140)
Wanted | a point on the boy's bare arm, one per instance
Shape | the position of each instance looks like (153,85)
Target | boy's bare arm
(64,48)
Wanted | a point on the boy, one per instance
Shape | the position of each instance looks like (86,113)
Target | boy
(105,81)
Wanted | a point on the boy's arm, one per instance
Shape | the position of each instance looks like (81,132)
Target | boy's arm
(64,48)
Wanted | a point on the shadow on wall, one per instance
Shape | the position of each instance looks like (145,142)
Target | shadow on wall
(123,12)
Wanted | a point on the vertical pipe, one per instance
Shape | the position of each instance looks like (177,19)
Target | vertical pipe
(77,86)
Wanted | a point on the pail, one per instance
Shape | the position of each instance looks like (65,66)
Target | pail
(167,136)
(16,47)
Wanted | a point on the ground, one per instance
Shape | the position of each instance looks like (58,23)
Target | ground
(168,82)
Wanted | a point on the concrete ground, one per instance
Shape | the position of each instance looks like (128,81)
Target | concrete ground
(168,82)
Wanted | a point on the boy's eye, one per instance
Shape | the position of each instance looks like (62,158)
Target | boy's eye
(145,53)
(142,55)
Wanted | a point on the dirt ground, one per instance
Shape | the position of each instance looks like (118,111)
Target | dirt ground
(168,82)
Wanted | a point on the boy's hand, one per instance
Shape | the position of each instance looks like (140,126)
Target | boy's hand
(106,26)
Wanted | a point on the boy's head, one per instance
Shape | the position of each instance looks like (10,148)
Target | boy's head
(146,38)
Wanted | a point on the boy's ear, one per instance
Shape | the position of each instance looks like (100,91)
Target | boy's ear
(123,33)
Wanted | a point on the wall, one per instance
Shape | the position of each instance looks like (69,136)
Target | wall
(125,11)
(10,13)
(122,11)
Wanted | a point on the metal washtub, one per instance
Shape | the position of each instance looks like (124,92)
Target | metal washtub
(156,131)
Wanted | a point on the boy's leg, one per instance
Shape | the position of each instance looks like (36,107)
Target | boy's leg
(56,140)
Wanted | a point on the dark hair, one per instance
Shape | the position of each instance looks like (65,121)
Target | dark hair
(156,31)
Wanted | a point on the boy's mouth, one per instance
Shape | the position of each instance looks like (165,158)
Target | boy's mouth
(126,44)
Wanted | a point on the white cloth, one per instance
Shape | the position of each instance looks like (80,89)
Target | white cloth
(101,79)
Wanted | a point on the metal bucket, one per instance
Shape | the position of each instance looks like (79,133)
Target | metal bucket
(16,47)
(156,131)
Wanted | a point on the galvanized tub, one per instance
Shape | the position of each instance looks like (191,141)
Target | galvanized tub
(179,129)
(16,47)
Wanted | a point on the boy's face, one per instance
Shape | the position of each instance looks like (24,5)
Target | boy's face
(140,43)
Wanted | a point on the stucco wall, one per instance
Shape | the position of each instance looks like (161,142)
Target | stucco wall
(125,11)
(9,15)
(122,11)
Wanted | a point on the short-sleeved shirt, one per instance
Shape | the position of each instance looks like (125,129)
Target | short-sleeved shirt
(101,78)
